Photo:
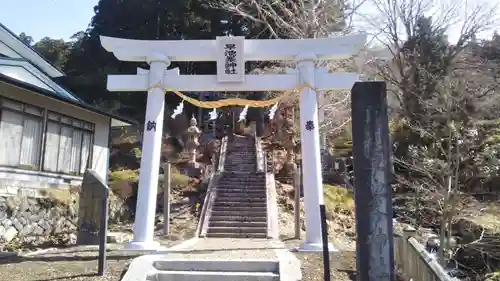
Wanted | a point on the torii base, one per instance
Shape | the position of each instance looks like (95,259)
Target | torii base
(316,247)
(147,246)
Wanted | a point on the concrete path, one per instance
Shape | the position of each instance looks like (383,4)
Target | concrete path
(228,248)
(222,249)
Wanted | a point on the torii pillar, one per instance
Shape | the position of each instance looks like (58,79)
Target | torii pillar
(150,159)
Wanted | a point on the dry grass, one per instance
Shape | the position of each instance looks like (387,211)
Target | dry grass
(338,199)
(62,196)
(488,221)
(128,175)
(179,179)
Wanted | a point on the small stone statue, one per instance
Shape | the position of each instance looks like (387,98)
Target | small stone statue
(192,135)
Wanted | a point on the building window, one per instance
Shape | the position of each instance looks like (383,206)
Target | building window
(67,145)
(66,142)
(20,135)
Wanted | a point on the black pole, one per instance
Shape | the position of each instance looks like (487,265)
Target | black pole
(103,233)
(372,191)
(324,236)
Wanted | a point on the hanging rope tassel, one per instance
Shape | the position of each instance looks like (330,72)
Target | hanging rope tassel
(243,114)
(272,111)
(213,115)
(178,110)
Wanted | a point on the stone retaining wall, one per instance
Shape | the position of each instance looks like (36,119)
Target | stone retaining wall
(34,216)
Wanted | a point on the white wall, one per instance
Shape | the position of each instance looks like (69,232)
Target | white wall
(100,150)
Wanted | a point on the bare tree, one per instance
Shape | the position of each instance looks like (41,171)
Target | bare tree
(453,147)
(295,18)
(442,96)
(306,19)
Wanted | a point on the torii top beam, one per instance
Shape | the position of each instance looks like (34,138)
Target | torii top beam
(254,50)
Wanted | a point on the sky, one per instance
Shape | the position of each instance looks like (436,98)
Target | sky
(57,19)
(60,19)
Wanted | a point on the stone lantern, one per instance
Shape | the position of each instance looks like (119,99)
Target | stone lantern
(192,135)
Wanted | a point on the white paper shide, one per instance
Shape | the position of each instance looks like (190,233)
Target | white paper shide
(230,61)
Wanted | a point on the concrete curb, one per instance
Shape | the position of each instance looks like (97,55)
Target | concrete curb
(290,267)
(272,208)
(184,245)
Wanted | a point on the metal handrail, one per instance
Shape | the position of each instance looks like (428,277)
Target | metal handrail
(203,221)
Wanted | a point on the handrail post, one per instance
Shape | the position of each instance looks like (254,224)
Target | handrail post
(407,263)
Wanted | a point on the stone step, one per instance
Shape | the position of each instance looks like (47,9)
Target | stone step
(242,185)
(237,235)
(237,229)
(242,209)
(236,199)
(254,198)
(241,188)
(242,182)
(247,189)
(241,199)
(240,194)
(240,204)
(215,276)
(237,224)
(241,178)
(238,218)
(218,265)
(245,211)
(241,168)
(241,156)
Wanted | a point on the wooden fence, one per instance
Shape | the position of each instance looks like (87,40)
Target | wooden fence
(414,262)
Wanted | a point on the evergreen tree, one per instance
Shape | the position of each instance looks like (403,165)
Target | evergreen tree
(88,65)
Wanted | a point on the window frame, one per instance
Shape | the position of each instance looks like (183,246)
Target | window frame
(44,118)
(61,124)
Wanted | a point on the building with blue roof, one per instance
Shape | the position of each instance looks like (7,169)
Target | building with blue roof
(48,136)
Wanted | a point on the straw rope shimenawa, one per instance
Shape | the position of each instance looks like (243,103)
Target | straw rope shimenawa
(234,101)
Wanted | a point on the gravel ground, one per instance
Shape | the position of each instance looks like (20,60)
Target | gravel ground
(342,266)
(78,263)
(72,264)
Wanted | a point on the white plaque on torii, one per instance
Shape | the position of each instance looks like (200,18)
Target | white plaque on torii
(230,61)
(159,54)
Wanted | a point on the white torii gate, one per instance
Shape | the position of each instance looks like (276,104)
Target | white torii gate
(159,54)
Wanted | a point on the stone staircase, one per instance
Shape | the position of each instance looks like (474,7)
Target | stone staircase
(241,155)
(216,270)
(240,206)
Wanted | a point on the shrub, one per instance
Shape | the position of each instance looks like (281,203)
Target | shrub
(338,199)
(127,175)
